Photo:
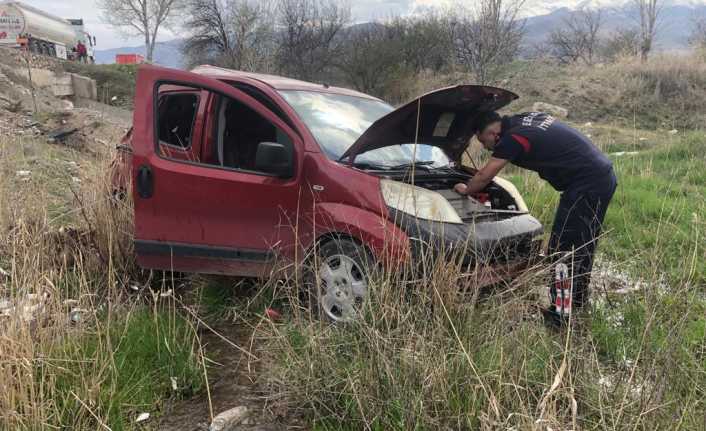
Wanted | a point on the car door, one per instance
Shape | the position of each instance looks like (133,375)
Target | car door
(200,216)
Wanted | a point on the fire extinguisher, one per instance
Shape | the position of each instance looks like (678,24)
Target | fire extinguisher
(561,290)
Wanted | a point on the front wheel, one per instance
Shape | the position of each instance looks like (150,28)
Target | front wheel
(341,280)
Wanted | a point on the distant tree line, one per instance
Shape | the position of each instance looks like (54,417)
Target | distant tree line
(698,34)
(582,37)
(317,40)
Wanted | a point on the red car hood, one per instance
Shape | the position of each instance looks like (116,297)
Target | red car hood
(445,118)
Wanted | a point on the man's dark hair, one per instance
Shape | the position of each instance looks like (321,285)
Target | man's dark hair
(484,119)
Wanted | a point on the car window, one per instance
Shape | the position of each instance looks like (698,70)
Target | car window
(228,137)
(175,118)
(335,120)
(240,130)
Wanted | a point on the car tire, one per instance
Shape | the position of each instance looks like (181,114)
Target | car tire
(337,282)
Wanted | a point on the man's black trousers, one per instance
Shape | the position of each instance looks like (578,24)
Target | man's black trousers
(577,226)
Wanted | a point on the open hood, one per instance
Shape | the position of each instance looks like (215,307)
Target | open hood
(445,119)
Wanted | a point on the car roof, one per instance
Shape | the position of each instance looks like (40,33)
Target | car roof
(274,81)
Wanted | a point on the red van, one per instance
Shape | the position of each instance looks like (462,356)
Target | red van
(234,172)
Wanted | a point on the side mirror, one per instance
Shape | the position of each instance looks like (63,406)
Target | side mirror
(274,158)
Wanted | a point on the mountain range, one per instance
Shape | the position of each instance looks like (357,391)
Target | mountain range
(675,25)
(165,53)
(676,22)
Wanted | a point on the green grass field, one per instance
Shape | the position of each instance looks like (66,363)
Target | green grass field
(150,350)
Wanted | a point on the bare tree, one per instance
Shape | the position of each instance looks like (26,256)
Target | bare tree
(210,36)
(425,41)
(624,42)
(308,36)
(232,33)
(698,34)
(370,57)
(488,36)
(139,17)
(379,57)
(649,12)
(578,39)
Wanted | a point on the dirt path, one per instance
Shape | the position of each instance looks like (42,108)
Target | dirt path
(233,381)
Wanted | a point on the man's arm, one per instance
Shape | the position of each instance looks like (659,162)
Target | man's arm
(481,180)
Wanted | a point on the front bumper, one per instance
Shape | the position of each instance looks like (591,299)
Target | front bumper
(503,243)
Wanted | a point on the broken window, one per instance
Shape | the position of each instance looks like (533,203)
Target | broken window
(175,118)
(209,128)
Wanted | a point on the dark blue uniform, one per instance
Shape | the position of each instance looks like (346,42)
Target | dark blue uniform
(570,162)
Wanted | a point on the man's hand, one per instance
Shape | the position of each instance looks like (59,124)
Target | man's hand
(482,178)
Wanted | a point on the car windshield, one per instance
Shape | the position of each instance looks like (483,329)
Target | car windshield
(401,156)
(337,121)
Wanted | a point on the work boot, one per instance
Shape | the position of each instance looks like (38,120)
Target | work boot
(558,321)
(554,320)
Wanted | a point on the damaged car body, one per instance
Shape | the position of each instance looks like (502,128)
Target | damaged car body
(237,173)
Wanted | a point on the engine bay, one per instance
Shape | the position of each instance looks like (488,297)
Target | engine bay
(494,200)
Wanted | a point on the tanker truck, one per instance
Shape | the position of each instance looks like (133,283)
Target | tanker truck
(27,27)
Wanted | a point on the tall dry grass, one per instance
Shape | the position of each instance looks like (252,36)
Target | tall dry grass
(662,93)
(76,350)
(426,355)
(429,351)
(666,91)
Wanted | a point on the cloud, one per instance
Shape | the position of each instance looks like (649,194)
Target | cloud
(365,10)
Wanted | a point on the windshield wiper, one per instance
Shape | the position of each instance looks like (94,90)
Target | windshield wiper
(424,164)
(366,165)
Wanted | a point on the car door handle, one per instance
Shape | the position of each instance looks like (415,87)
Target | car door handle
(145,182)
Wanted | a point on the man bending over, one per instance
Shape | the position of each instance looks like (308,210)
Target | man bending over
(570,163)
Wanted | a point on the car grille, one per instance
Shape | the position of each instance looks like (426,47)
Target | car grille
(513,250)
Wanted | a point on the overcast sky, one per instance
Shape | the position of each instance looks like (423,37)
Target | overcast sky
(362,10)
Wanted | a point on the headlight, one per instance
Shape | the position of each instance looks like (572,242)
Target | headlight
(418,202)
(512,191)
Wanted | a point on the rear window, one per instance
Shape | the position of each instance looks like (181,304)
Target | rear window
(175,118)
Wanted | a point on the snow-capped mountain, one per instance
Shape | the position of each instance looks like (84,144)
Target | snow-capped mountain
(544,7)
(675,25)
